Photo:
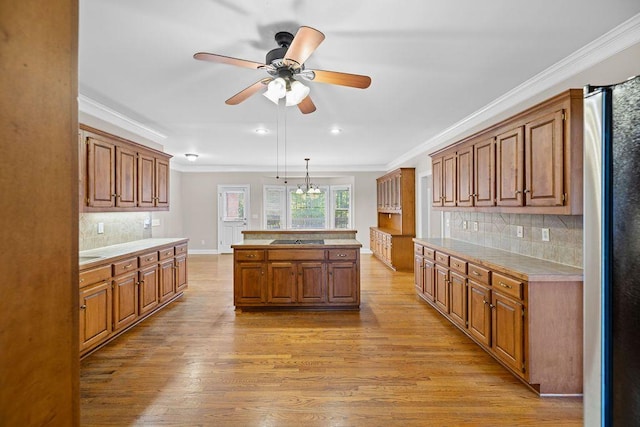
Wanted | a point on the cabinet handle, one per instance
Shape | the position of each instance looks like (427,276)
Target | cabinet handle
(81,280)
(168,253)
(82,307)
(518,192)
(141,282)
(527,191)
(251,256)
(505,285)
(485,302)
(150,258)
(476,273)
(114,195)
(341,255)
(457,265)
(126,266)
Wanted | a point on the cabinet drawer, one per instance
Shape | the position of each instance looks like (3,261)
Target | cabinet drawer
(181,249)
(147,259)
(296,254)
(417,249)
(95,275)
(125,266)
(458,265)
(442,258)
(479,274)
(429,253)
(342,254)
(165,253)
(506,285)
(249,255)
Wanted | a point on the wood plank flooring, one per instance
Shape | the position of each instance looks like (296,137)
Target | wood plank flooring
(395,363)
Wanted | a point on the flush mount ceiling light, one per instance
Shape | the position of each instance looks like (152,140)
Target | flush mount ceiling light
(335,131)
(262,131)
(308,187)
(191,157)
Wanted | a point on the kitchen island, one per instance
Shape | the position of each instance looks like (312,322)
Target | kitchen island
(297,269)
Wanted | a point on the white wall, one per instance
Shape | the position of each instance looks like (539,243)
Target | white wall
(198,206)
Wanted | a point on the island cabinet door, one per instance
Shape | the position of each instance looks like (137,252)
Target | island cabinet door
(281,284)
(312,282)
(343,283)
(249,283)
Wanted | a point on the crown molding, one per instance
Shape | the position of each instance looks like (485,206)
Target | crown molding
(94,108)
(618,39)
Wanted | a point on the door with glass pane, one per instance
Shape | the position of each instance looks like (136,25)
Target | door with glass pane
(233,208)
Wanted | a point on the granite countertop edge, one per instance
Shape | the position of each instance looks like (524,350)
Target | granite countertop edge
(107,254)
(526,268)
(266,243)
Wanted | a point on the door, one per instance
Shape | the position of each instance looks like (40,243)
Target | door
(125,300)
(509,168)
(442,288)
(233,208)
(312,282)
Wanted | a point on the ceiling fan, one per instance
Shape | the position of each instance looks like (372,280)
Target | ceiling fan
(285,66)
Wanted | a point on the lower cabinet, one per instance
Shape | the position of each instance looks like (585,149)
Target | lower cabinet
(304,278)
(532,327)
(122,292)
(391,248)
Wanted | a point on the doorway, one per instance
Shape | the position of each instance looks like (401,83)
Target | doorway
(233,208)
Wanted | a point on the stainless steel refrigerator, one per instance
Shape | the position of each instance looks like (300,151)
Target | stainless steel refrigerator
(611,253)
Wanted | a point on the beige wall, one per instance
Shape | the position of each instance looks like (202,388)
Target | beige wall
(198,192)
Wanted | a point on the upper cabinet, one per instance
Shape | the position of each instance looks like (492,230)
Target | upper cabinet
(120,175)
(529,163)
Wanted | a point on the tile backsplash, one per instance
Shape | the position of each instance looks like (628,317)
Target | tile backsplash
(119,227)
(500,231)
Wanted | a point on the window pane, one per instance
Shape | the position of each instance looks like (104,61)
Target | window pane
(342,201)
(273,208)
(308,210)
(233,206)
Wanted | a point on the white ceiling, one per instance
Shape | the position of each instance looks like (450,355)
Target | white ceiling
(439,69)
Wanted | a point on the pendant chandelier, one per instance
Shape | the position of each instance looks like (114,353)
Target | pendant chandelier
(309,188)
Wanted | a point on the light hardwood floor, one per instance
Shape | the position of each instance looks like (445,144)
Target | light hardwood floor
(396,362)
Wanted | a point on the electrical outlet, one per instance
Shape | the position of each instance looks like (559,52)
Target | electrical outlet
(520,231)
(464,225)
(155,222)
(475,225)
(447,223)
(545,234)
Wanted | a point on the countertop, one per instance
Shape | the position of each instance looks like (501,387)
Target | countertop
(107,254)
(527,268)
(266,243)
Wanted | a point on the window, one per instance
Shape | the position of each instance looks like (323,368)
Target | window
(233,206)
(286,209)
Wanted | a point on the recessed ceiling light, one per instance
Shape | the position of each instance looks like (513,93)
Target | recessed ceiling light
(336,131)
(262,131)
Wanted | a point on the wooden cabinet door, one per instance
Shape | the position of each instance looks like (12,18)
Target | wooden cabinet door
(449,176)
(281,282)
(249,283)
(509,168)
(312,282)
(125,300)
(437,196)
(126,182)
(484,170)
(508,331)
(442,288)
(343,282)
(167,287)
(429,279)
(162,183)
(181,273)
(101,175)
(544,156)
(479,312)
(95,314)
(148,289)
(465,176)
(418,273)
(146,181)
(458,299)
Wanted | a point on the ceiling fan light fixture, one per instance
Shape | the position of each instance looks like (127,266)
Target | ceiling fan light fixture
(276,89)
(297,93)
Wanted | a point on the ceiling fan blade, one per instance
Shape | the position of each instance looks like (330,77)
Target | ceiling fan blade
(342,79)
(247,92)
(307,106)
(212,57)
(304,43)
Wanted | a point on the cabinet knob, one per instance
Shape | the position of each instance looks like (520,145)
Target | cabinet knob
(82,307)
(527,191)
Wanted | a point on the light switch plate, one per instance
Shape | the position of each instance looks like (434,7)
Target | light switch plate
(101,228)
(545,234)
(464,225)
(520,231)
(475,225)
(155,222)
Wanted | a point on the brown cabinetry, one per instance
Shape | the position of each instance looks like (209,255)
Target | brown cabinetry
(303,278)
(121,175)
(390,241)
(531,326)
(529,163)
(123,290)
